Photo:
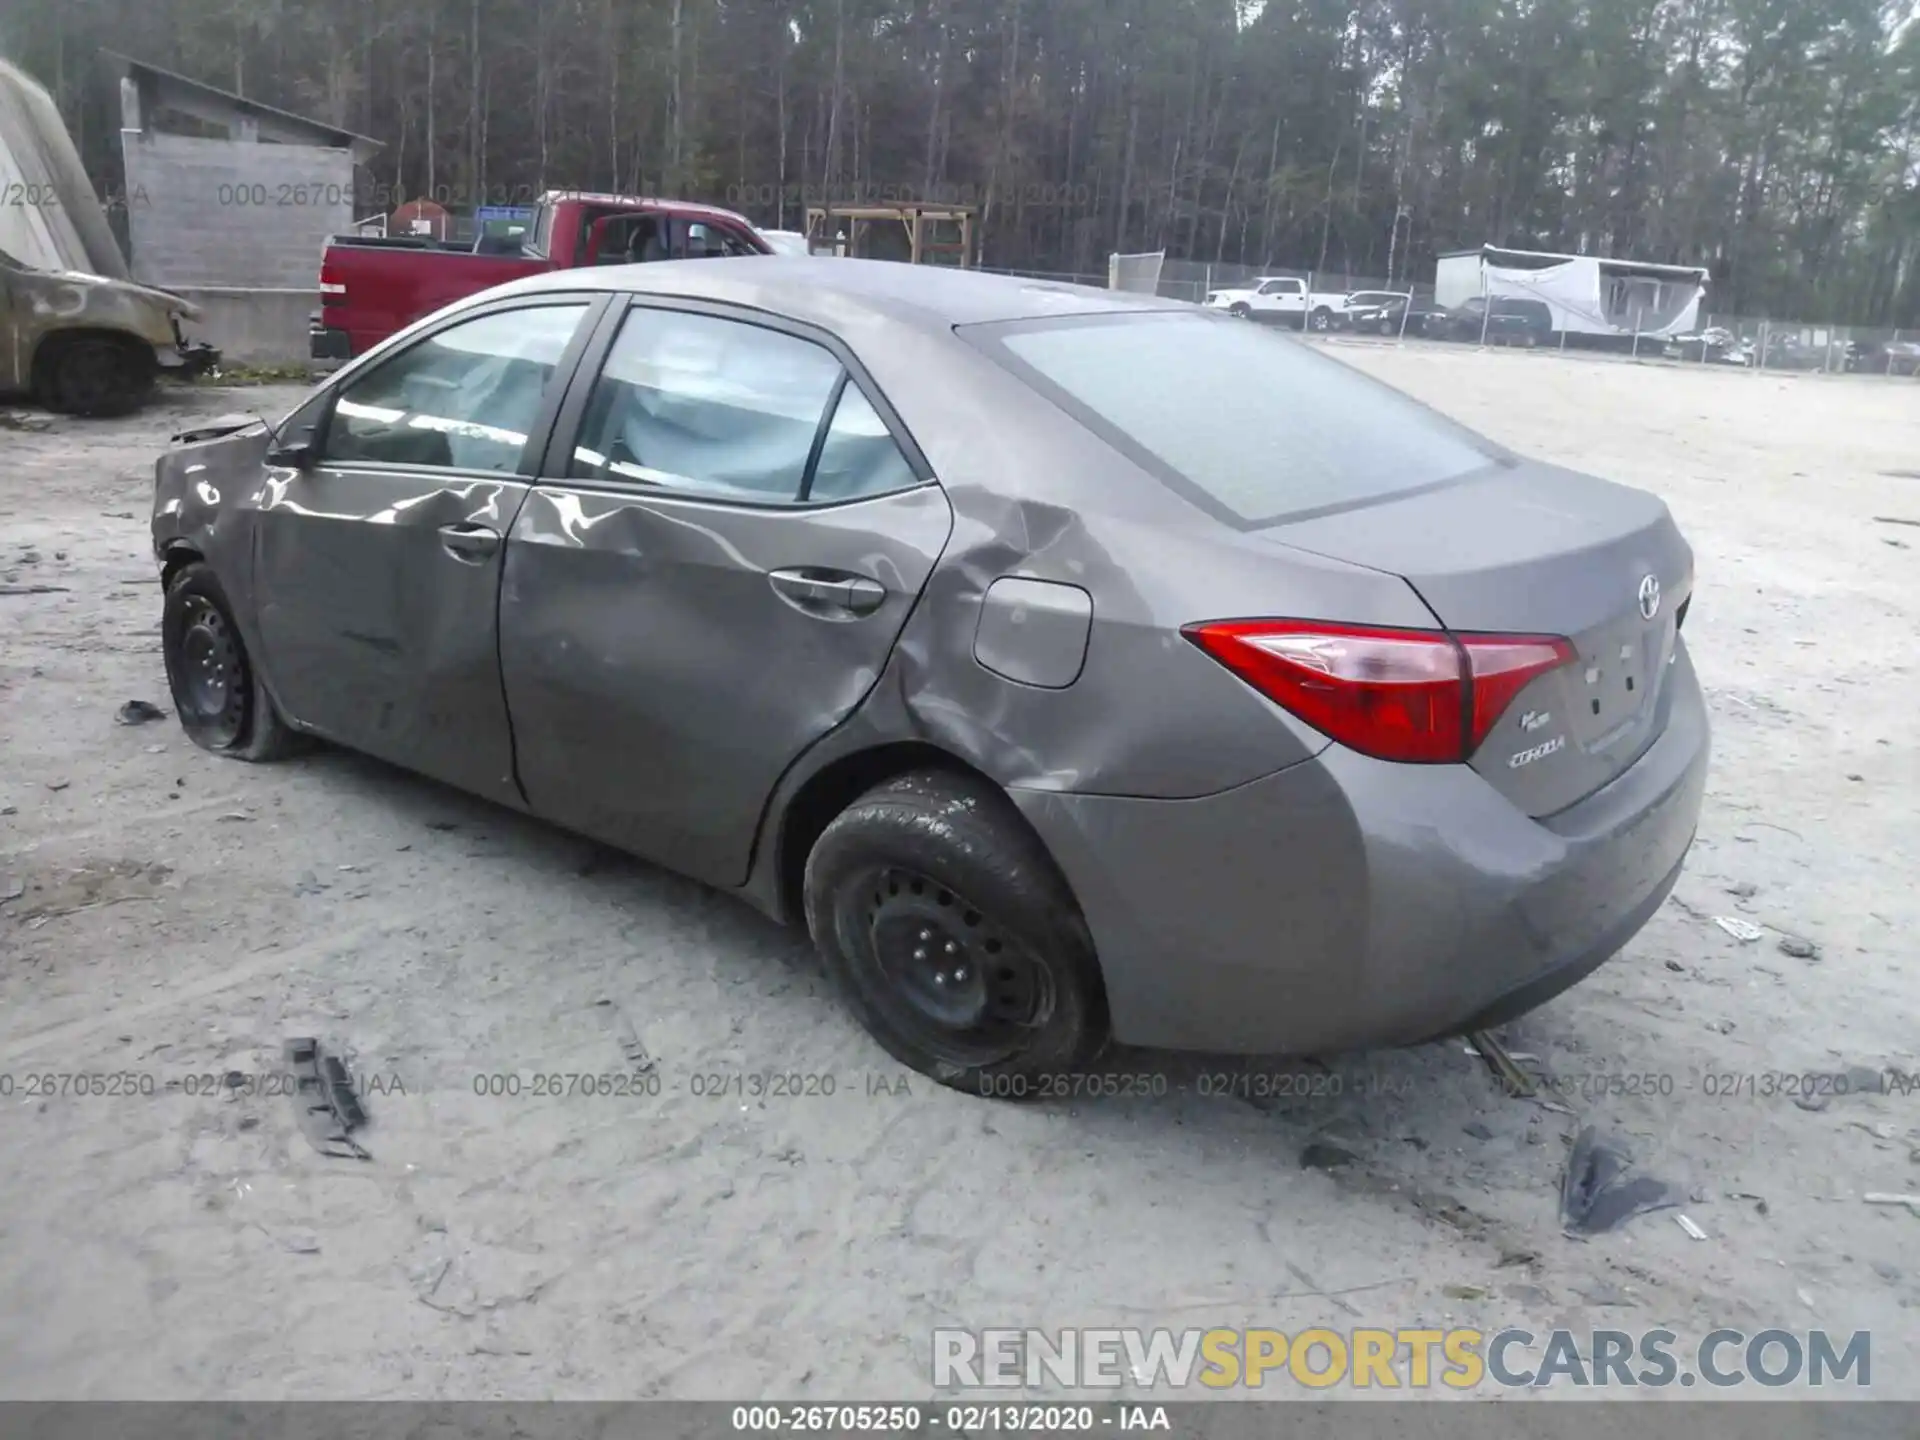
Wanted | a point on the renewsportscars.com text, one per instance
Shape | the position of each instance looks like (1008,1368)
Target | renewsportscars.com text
(1368,1358)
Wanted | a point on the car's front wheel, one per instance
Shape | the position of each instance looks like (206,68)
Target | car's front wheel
(95,375)
(218,695)
(955,941)
(1240,310)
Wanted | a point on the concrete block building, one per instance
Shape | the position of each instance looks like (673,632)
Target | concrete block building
(230,202)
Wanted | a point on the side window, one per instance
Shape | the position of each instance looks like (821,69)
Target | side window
(701,240)
(706,405)
(536,243)
(859,456)
(464,398)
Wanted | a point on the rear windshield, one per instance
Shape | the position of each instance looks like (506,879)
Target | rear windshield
(1249,425)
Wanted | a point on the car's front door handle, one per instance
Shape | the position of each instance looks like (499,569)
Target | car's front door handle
(469,543)
(828,594)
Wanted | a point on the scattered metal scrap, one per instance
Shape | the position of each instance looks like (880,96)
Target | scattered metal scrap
(138,712)
(1505,1068)
(324,1102)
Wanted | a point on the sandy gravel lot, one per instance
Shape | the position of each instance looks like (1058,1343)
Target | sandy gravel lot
(171,916)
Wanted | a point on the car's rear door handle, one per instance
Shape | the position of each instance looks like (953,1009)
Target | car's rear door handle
(829,594)
(470,543)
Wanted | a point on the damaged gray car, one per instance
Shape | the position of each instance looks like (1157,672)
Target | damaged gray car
(1074,665)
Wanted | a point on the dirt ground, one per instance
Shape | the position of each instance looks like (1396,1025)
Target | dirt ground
(174,917)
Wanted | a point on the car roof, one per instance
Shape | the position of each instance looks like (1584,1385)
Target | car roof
(823,290)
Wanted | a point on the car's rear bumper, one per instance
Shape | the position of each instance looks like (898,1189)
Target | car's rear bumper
(326,342)
(1346,902)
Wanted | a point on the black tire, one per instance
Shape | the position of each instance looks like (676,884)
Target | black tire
(221,702)
(1240,310)
(1321,320)
(953,938)
(97,376)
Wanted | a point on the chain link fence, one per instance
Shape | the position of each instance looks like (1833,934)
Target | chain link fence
(1395,311)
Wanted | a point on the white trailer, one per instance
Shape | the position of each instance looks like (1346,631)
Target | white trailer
(1587,294)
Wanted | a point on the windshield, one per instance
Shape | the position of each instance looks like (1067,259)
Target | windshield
(1249,425)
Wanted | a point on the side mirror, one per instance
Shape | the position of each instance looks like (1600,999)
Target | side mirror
(294,452)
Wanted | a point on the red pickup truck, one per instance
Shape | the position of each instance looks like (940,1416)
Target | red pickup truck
(371,287)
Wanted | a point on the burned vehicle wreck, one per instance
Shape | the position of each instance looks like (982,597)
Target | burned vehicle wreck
(89,345)
(77,333)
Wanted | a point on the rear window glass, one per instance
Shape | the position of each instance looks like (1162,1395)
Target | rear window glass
(1250,425)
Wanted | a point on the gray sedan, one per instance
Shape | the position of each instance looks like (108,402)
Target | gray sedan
(1072,664)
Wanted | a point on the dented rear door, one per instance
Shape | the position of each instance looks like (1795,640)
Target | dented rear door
(706,578)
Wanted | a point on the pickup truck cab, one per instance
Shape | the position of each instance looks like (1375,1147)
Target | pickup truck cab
(1281,299)
(374,286)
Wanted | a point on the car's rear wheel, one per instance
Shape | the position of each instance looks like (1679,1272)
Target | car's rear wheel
(96,375)
(1321,320)
(218,695)
(955,942)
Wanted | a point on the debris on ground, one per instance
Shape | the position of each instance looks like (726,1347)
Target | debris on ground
(1597,1196)
(324,1102)
(15,420)
(1743,890)
(138,712)
(1505,1068)
(12,887)
(1800,949)
(1319,1155)
(1745,931)
(1912,1202)
(309,884)
(1685,1222)
(1894,520)
(1464,1292)
(628,1036)
(1477,1130)
(1813,1100)
(33,590)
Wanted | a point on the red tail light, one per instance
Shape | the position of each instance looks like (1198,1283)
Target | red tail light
(332,288)
(1415,695)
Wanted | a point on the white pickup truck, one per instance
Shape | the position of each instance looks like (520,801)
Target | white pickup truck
(1281,300)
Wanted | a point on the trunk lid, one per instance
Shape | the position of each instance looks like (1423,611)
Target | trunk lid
(1527,548)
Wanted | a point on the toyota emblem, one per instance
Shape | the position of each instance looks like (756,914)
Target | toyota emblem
(1649,597)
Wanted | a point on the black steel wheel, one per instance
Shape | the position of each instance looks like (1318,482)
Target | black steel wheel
(952,936)
(221,702)
(213,684)
(963,988)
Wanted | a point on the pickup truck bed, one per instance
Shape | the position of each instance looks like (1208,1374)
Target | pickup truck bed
(373,286)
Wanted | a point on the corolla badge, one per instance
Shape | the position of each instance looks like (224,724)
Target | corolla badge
(1538,752)
(1649,596)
